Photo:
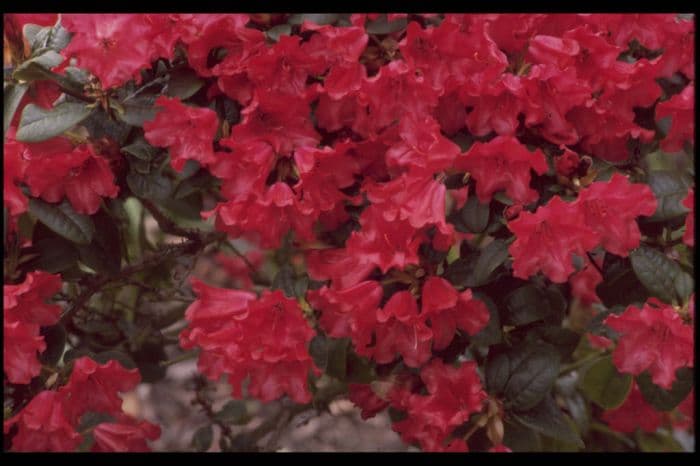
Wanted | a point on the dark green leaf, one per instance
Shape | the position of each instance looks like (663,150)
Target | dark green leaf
(54,255)
(497,370)
(461,272)
(533,370)
(148,359)
(12,96)
(92,419)
(620,285)
(233,412)
(55,339)
(63,220)
(670,188)
(38,124)
(196,183)
(359,369)
(563,339)
(666,400)
(337,357)
(138,110)
(103,254)
(184,83)
(320,19)
(547,419)
(660,275)
(604,385)
(153,185)
(141,150)
(519,438)
(474,216)
(490,258)
(318,350)
(382,25)
(202,438)
(284,280)
(525,305)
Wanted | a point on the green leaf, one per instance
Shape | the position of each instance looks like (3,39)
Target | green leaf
(330,355)
(92,419)
(148,359)
(670,188)
(666,400)
(320,19)
(359,369)
(28,71)
(533,370)
(233,412)
(62,219)
(519,438)
(473,216)
(121,357)
(660,275)
(54,255)
(620,285)
(184,83)
(103,254)
(382,25)
(491,334)
(490,258)
(55,339)
(656,442)
(38,124)
(284,280)
(318,350)
(138,110)
(202,438)
(547,419)
(604,385)
(525,305)
(12,96)
(563,339)
(497,370)
(153,185)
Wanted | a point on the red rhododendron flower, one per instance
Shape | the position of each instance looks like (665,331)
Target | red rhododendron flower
(113,47)
(265,339)
(338,265)
(57,169)
(584,282)
(566,163)
(503,164)
(364,397)
(25,310)
(634,413)
(42,426)
(95,387)
(447,310)
(128,435)
(611,208)
(14,166)
(681,110)
(454,394)
(401,330)
(689,235)
(187,132)
(547,239)
(238,268)
(350,312)
(652,338)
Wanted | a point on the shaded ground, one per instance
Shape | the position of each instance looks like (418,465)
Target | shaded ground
(168,403)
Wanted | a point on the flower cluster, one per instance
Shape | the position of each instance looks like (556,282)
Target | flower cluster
(51,420)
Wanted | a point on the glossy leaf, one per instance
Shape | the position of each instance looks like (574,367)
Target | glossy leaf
(38,124)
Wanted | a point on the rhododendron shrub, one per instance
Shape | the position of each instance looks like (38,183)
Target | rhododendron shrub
(478,225)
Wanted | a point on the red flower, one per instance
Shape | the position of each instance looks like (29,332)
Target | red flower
(95,387)
(611,208)
(566,163)
(553,50)
(265,339)
(42,426)
(634,413)
(187,132)
(364,398)
(584,282)
(113,47)
(245,169)
(681,110)
(350,312)
(238,268)
(383,243)
(689,235)
(402,330)
(128,435)
(454,394)
(422,147)
(338,265)
(25,310)
(503,164)
(547,239)
(652,338)
(447,310)
(57,169)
